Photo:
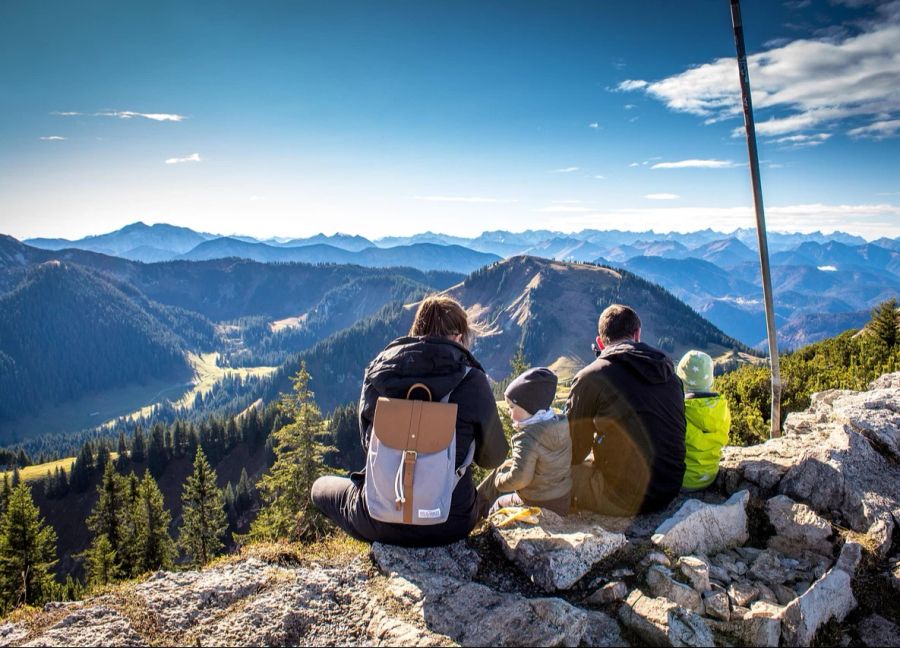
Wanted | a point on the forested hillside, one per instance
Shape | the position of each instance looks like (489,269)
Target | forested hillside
(849,361)
(66,331)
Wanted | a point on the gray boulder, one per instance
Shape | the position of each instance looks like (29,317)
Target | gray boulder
(696,570)
(797,527)
(661,583)
(705,528)
(838,457)
(603,631)
(556,553)
(830,597)
(659,622)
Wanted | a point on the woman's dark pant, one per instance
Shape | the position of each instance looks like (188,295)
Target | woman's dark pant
(342,500)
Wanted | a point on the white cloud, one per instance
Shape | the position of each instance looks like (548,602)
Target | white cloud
(129,114)
(827,268)
(631,84)
(65,114)
(634,164)
(869,220)
(53,138)
(877,130)
(571,169)
(462,199)
(888,193)
(565,209)
(630,106)
(193,157)
(662,196)
(599,177)
(804,84)
(695,164)
(800,141)
(594,125)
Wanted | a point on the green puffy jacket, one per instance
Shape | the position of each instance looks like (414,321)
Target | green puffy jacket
(708,425)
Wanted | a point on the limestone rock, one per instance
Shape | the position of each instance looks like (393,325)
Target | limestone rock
(798,527)
(838,457)
(12,633)
(830,597)
(556,553)
(603,630)
(716,605)
(742,593)
(655,558)
(758,626)
(660,582)
(448,603)
(875,630)
(696,570)
(659,622)
(609,593)
(705,528)
(90,626)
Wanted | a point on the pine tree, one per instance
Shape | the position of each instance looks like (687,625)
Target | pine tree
(300,460)
(519,363)
(100,562)
(27,552)
(122,461)
(110,515)
(203,516)
(885,322)
(17,478)
(138,446)
(154,546)
(5,493)
(103,457)
(157,454)
(228,503)
(243,495)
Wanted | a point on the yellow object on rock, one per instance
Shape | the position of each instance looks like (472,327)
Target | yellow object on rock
(510,514)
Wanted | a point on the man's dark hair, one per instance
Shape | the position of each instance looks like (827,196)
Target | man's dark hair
(618,322)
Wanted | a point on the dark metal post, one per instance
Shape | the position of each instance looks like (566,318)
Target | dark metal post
(749,126)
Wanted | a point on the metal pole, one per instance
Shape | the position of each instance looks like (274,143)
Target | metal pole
(749,126)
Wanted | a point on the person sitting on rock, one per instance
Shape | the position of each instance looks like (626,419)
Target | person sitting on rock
(539,471)
(434,357)
(708,420)
(627,409)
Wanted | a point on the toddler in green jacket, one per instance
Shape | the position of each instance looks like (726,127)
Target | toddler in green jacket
(539,472)
(708,420)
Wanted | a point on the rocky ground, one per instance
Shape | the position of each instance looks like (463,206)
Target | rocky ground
(796,545)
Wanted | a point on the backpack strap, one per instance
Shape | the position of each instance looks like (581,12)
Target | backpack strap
(470,455)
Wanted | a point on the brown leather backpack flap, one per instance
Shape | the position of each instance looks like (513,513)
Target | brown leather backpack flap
(414,425)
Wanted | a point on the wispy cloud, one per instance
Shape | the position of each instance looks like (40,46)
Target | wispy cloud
(571,169)
(463,199)
(802,84)
(870,220)
(888,193)
(193,157)
(565,209)
(129,114)
(803,141)
(53,138)
(635,164)
(631,84)
(599,177)
(695,164)
(877,130)
(662,196)
(594,125)
(125,114)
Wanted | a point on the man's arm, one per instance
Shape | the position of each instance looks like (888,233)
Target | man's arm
(580,410)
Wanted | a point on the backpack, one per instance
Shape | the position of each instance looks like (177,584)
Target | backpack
(410,467)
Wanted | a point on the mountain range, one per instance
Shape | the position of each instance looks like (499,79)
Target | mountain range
(248,314)
(831,279)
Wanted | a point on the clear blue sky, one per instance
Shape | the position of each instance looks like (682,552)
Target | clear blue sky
(393,117)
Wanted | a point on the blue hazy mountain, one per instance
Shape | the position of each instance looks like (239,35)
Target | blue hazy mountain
(137,241)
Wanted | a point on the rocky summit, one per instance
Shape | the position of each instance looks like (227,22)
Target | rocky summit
(796,544)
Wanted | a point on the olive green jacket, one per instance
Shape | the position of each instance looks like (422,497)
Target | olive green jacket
(540,468)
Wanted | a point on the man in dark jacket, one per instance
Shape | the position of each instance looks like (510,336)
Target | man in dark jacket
(627,407)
